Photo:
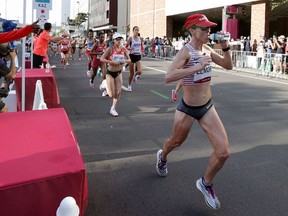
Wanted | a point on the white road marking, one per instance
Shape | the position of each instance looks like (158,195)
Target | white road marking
(224,72)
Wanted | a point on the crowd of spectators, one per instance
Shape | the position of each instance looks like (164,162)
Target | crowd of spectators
(275,48)
(8,56)
(164,47)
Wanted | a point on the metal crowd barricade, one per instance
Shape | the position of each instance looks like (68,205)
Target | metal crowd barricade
(270,64)
(162,52)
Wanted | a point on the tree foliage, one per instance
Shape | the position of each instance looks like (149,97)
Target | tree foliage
(277,3)
(80,18)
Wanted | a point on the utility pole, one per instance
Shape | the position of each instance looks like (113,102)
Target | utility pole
(224,17)
(88,14)
(78,6)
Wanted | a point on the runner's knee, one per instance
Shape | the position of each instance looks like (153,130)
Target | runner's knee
(176,142)
(223,155)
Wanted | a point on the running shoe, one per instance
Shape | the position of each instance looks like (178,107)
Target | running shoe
(103,85)
(208,193)
(161,167)
(136,78)
(129,89)
(104,93)
(99,73)
(174,95)
(91,84)
(88,73)
(113,112)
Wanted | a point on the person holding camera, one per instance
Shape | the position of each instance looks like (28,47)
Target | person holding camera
(8,73)
(192,64)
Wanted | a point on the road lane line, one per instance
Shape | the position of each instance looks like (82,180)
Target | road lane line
(124,88)
(258,78)
(159,94)
(155,69)
(224,72)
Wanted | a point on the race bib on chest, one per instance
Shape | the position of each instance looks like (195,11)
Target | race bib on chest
(117,57)
(204,75)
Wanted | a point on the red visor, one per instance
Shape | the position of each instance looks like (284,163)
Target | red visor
(199,20)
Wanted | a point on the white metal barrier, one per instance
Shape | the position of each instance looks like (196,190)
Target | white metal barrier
(267,64)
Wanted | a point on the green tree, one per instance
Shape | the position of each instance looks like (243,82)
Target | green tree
(80,18)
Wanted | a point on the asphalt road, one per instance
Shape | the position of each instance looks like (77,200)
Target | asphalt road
(119,153)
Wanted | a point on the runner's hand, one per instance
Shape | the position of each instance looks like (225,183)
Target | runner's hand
(205,61)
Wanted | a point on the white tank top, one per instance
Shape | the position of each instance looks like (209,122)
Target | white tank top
(135,46)
(199,77)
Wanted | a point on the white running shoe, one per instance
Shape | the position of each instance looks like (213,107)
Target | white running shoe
(129,89)
(161,166)
(103,85)
(91,84)
(113,112)
(209,194)
(136,78)
(88,73)
(104,93)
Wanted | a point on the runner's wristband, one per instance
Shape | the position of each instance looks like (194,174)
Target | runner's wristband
(226,49)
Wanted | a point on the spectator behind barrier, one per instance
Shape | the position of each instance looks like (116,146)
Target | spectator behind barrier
(6,72)
(8,26)
(17,34)
(41,46)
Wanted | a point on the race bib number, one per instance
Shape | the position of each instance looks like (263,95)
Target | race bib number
(203,76)
(118,58)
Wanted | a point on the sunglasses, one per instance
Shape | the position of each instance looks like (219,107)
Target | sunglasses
(118,39)
(202,28)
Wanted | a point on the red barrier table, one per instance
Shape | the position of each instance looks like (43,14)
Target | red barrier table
(49,86)
(40,163)
(27,64)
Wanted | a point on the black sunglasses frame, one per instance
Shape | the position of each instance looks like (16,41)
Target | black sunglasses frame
(201,27)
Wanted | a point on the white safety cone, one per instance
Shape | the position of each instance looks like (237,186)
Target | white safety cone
(42,106)
(39,103)
(68,207)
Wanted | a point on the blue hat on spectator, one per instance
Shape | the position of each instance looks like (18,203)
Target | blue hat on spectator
(8,25)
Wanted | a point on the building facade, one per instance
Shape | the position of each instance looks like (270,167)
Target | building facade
(158,18)
(150,17)
(254,18)
(102,15)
